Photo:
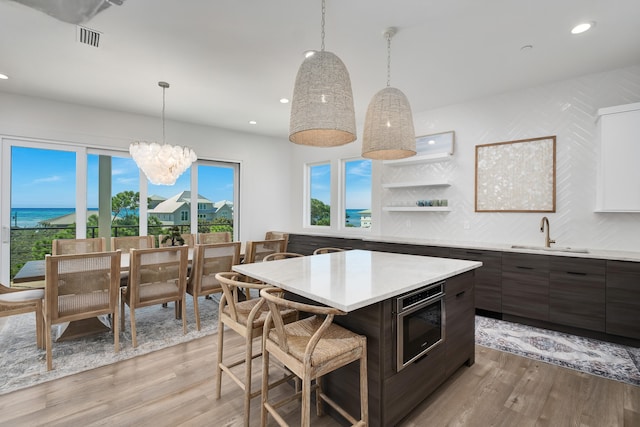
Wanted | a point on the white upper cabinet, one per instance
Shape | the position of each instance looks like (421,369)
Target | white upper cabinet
(618,186)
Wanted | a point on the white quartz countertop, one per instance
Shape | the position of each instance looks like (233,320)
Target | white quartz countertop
(354,279)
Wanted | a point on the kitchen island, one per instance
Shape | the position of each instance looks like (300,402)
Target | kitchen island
(366,285)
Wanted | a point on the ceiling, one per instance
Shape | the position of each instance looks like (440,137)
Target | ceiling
(230,61)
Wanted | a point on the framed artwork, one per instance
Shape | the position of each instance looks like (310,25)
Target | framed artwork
(516,176)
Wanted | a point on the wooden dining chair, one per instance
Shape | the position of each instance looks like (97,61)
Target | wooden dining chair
(78,246)
(310,348)
(18,301)
(281,255)
(80,286)
(327,250)
(209,259)
(217,237)
(273,235)
(247,319)
(256,250)
(156,276)
(124,243)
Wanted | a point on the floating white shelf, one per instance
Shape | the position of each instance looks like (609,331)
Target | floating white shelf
(416,209)
(425,158)
(411,184)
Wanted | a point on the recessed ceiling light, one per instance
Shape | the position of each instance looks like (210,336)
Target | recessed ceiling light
(284,101)
(253,122)
(3,77)
(526,48)
(581,28)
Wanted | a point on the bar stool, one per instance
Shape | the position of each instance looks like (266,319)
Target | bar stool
(310,348)
(247,319)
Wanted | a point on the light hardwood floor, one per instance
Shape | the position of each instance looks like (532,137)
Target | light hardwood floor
(174,387)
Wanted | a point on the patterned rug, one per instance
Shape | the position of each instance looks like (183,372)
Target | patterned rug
(613,361)
(22,364)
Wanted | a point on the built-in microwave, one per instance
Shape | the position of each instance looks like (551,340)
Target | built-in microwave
(419,323)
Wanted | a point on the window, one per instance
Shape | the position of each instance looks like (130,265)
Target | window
(217,184)
(357,193)
(320,194)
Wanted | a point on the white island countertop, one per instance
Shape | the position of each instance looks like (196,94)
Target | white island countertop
(351,280)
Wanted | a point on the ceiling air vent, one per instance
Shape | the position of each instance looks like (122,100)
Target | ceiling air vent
(88,36)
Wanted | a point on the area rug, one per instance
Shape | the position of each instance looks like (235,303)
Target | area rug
(22,364)
(613,361)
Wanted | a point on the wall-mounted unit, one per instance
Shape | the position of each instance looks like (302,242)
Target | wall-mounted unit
(618,185)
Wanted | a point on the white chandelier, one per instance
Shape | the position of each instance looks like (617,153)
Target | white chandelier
(162,163)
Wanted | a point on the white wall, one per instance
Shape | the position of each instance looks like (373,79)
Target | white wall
(566,109)
(264,178)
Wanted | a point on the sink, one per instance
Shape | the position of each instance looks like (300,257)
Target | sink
(552,249)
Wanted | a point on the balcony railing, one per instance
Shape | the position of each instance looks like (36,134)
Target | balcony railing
(33,243)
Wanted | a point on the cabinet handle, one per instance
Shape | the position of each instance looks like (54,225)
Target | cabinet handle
(577,273)
(459,294)
(524,267)
(473,253)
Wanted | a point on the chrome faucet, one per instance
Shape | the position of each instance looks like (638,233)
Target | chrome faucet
(547,240)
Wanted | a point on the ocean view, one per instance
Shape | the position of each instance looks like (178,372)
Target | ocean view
(353,217)
(30,217)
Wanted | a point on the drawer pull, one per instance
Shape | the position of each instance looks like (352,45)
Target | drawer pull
(459,294)
(522,267)
(577,273)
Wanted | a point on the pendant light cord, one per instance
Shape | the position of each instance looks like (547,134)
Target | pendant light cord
(163,91)
(164,86)
(324,9)
(388,59)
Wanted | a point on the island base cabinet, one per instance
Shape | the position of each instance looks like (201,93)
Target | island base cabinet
(410,386)
(459,322)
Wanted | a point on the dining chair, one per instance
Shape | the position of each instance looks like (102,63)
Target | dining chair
(156,276)
(310,348)
(281,255)
(125,243)
(189,240)
(80,286)
(18,301)
(256,250)
(78,246)
(217,237)
(273,235)
(247,319)
(327,250)
(209,259)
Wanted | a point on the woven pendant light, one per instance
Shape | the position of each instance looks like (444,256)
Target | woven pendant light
(388,125)
(322,112)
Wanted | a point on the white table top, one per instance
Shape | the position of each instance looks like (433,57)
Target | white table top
(354,279)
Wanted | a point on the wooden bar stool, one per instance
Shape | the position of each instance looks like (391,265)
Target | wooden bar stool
(310,348)
(247,319)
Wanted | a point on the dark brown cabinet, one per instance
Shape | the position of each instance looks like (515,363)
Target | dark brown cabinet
(525,285)
(488,286)
(623,299)
(459,322)
(577,292)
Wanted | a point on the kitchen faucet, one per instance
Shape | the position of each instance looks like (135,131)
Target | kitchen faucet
(547,240)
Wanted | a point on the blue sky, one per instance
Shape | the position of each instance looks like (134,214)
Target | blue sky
(46,178)
(358,184)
